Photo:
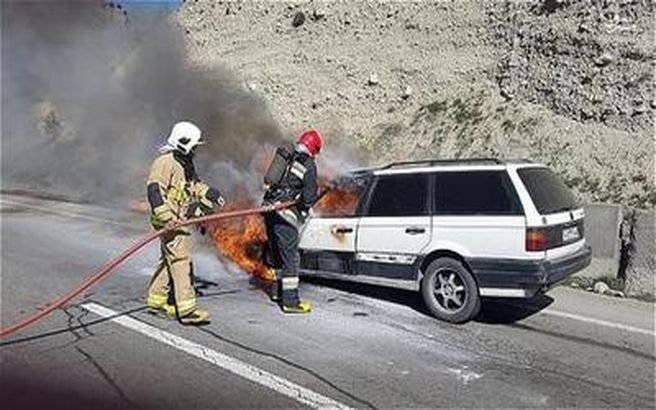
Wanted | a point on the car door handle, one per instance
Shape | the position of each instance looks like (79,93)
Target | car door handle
(341,230)
(415,231)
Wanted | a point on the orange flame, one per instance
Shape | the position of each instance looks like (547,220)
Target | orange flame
(338,202)
(243,240)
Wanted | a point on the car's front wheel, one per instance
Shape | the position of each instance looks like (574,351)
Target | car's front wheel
(450,291)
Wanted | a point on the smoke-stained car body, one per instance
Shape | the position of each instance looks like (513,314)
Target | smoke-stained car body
(454,230)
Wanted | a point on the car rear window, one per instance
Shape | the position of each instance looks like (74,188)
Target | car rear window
(548,191)
(475,193)
(400,195)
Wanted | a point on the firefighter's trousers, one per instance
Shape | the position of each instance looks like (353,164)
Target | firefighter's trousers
(172,275)
(283,241)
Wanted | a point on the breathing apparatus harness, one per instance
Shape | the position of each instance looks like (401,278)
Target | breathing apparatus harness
(285,168)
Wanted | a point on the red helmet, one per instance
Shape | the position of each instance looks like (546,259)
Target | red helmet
(312,141)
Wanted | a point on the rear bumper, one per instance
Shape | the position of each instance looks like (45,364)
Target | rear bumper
(522,278)
(559,269)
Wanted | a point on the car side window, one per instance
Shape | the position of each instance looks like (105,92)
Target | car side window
(400,195)
(475,193)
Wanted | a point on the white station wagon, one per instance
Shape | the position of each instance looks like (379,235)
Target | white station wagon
(454,230)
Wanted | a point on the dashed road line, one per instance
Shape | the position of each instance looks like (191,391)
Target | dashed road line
(235,366)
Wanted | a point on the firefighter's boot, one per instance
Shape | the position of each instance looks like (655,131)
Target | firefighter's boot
(157,302)
(300,307)
(291,303)
(160,306)
(196,316)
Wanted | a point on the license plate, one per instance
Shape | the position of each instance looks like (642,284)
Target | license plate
(570,234)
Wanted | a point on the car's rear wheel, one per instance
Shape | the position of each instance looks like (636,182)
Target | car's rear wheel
(450,291)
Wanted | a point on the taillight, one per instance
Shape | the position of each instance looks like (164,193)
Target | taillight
(537,239)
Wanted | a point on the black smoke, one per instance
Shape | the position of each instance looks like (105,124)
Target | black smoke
(89,92)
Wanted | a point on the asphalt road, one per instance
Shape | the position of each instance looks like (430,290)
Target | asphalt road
(361,347)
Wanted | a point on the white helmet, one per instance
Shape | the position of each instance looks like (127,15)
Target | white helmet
(184,137)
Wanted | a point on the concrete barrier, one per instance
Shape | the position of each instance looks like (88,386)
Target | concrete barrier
(602,233)
(641,267)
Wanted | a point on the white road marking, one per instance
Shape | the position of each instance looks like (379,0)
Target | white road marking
(235,366)
(597,321)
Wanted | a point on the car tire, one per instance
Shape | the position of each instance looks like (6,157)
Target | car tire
(445,283)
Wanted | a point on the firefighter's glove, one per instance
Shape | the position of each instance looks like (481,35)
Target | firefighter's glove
(215,198)
(170,225)
(195,210)
(207,196)
(161,216)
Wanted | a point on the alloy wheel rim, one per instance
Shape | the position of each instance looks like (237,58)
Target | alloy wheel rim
(449,290)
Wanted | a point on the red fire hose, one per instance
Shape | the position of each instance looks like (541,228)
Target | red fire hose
(104,270)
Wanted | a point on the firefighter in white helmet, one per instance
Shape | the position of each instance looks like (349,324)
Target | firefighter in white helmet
(174,193)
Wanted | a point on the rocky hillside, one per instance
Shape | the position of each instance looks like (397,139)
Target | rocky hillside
(557,81)
(590,61)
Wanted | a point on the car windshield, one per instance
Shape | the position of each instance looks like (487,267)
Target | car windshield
(343,199)
(548,191)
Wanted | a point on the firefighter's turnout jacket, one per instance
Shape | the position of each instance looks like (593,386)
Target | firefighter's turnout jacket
(175,191)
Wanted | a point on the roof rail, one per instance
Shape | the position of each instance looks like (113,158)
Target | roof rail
(431,162)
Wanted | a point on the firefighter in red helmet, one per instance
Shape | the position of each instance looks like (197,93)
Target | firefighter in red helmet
(293,179)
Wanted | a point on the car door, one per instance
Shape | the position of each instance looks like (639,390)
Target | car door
(395,226)
(327,242)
